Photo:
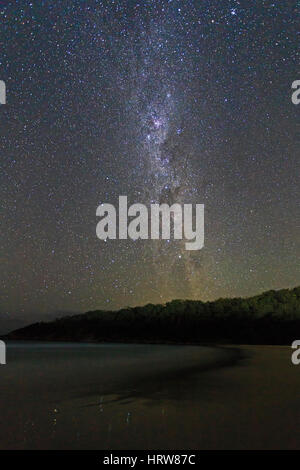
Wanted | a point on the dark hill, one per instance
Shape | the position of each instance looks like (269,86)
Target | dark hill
(269,318)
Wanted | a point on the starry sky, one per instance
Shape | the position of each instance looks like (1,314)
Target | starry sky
(163,101)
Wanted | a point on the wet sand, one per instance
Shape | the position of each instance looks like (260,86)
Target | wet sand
(149,397)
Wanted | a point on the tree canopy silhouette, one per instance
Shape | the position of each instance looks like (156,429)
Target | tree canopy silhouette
(269,318)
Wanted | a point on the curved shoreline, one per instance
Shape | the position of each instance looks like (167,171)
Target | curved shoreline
(97,396)
(162,360)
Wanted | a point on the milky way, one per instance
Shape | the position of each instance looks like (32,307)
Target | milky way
(162,101)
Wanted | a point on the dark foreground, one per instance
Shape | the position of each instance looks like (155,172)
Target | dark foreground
(68,396)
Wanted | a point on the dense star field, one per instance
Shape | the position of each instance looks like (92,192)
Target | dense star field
(163,101)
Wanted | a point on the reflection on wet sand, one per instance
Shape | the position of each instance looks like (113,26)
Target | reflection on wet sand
(148,397)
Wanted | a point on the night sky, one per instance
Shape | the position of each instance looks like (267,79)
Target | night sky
(163,101)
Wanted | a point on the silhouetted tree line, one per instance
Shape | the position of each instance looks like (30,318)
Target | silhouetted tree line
(270,318)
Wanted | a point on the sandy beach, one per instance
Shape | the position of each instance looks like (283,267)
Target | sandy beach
(60,396)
